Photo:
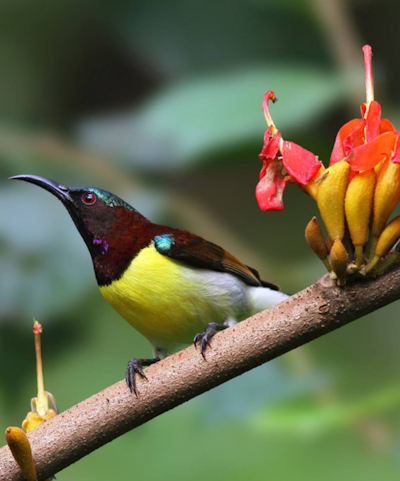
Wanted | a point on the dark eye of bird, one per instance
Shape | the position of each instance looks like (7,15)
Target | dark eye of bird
(89,199)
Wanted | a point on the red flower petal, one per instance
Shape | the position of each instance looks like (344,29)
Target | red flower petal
(301,164)
(269,190)
(373,121)
(386,126)
(337,152)
(355,139)
(271,145)
(263,170)
(396,155)
(367,156)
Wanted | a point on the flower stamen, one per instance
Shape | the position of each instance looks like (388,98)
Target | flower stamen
(369,80)
(267,97)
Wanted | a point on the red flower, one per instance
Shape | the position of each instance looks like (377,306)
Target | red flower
(281,158)
(363,143)
(366,142)
(356,195)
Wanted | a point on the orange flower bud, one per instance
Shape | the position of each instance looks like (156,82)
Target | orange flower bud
(21,450)
(330,198)
(316,241)
(339,261)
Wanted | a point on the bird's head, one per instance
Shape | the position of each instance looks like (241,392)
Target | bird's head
(100,216)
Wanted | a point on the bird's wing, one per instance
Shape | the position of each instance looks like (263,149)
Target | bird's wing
(197,252)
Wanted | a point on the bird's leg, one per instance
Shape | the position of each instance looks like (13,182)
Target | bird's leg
(203,338)
(136,365)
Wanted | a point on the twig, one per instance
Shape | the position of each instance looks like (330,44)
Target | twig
(341,32)
(311,313)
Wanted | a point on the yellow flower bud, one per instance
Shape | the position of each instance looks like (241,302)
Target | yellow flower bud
(312,187)
(34,419)
(388,238)
(378,167)
(330,198)
(339,261)
(387,196)
(358,207)
(316,241)
(21,450)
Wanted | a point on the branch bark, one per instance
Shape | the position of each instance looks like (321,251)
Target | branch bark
(309,314)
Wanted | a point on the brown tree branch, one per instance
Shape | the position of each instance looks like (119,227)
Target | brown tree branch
(311,313)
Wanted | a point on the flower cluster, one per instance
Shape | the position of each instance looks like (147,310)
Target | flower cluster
(355,195)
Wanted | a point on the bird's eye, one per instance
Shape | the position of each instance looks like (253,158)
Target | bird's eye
(89,198)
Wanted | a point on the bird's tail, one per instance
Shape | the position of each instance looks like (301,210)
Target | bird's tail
(262,297)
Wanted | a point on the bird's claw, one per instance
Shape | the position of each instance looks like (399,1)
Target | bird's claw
(203,338)
(135,366)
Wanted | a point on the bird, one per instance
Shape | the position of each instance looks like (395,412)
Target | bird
(172,286)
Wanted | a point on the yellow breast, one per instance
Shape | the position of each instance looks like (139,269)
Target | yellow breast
(162,299)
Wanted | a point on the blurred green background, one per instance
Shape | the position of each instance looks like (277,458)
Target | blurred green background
(160,102)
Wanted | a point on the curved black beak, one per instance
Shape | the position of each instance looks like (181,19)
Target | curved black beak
(60,191)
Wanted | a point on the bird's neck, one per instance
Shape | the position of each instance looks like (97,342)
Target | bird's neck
(113,252)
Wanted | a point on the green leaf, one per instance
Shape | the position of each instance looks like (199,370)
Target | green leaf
(188,122)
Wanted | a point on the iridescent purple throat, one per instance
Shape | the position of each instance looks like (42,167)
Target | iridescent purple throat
(103,243)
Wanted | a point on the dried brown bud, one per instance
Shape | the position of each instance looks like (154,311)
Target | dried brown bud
(316,241)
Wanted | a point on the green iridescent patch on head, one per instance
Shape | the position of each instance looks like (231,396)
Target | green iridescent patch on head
(111,200)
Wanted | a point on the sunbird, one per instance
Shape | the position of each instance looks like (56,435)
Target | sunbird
(174,287)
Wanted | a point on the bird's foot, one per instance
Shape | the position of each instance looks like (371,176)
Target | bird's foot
(135,366)
(203,338)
